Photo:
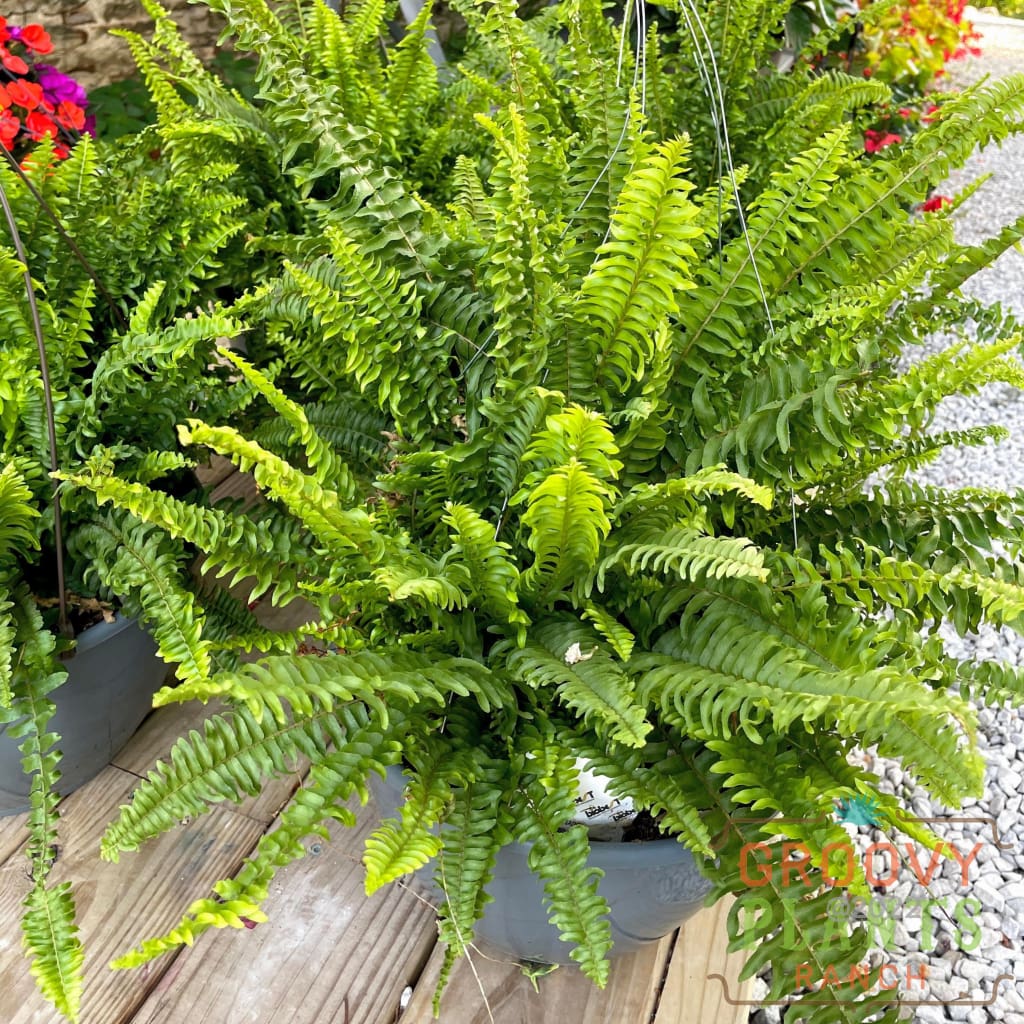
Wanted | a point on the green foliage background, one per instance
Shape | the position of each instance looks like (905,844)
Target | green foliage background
(545,366)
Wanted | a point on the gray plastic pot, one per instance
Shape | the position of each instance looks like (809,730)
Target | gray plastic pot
(111,681)
(651,889)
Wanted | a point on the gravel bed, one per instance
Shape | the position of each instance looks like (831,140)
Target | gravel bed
(962,963)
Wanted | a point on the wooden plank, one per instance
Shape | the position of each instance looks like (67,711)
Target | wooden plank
(213,472)
(162,728)
(238,486)
(118,904)
(327,954)
(701,949)
(12,834)
(489,989)
(165,725)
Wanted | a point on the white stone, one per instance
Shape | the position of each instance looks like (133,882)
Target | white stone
(975,971)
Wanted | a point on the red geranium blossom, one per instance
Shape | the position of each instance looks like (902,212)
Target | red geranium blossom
(70,115)
(39,125)
(26,94)
(36,38)
(874,141)
(13,63)
(9,128)
(935,202)
(37,101)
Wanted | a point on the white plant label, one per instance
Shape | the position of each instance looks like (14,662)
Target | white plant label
(605,816)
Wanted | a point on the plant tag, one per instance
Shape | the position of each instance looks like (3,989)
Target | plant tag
(605,816)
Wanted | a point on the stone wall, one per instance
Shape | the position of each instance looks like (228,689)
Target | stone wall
(83,46)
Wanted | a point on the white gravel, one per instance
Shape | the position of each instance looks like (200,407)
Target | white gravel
(955,963)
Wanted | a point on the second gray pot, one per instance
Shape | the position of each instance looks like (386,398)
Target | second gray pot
(109,690)
(651,889)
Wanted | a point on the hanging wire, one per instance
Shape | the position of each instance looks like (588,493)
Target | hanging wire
(51,428)
(717,97)
(719,119)
(68,240)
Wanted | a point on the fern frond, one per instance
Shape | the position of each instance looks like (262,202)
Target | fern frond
(641,270)
(361,747)
(235,544)
(560,859)
(310,683)
(684,551)
(320,509)
(562,654)
(401,845)
(470,840)
(493,575)
(50,938)
(714,675)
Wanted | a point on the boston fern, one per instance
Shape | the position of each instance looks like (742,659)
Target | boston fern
(116,245)
(588,445)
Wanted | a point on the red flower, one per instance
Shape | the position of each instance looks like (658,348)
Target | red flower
(928,116)
(874,141)
(71,115)
(905,112)
(25,94)
(36,38)
(936,202)
(9,128)
(39,125)
(13,64)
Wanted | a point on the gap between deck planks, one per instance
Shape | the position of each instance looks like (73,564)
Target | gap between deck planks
(666,983)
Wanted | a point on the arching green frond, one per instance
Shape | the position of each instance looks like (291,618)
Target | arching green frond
(232,757)
(713,480)
(684,551)
(714,675)
(494,577)
(642,268)
(135,558)
(320,509)
(360,747)
(328,469)
(717,319)
(307,684)
(560,859)
(470,840)
(50,938)
(234,544)
(403,844)
(562,655)
(411,76)
(614,632)
(567,519)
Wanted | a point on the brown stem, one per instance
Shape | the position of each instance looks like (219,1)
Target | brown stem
(51,426)
(69,241)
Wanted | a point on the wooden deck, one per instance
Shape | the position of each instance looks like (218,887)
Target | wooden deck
(328,954)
